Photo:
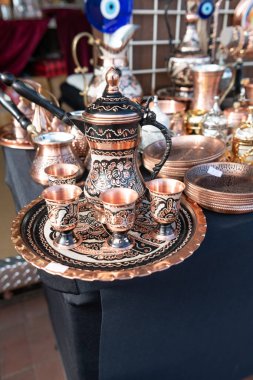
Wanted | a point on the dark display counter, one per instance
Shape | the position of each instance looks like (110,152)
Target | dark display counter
(193,321)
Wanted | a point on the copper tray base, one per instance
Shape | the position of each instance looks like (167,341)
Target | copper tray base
(7,139)
(93,259)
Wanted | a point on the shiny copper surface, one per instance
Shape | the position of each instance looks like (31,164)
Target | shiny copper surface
(236,115)
(221,187)
(240,10)
(119,213)
(62,193)
(248,85)
(117,145)
(165,186)
(187,150)
(34,257)
(119,196)
(170,107)
(63,209)
(206,85)
(53,148)
(165,197)
(8,139)
(62,170)
(113,125)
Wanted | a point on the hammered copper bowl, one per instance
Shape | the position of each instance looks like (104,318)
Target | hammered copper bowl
(221,186)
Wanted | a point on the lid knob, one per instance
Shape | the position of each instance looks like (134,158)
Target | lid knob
(112,79)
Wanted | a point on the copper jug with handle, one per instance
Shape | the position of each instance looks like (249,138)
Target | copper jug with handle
(112,128)
(206,85)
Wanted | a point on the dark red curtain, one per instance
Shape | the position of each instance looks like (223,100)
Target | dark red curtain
(18,40)
(70,22)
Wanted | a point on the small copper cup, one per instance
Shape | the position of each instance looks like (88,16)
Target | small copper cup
(63,206)
(119,212)
(165,194)
(60,174)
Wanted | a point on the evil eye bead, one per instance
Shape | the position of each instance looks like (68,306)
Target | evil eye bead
(110,9)
(206,9)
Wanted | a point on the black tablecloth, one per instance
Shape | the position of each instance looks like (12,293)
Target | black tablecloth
(193,321)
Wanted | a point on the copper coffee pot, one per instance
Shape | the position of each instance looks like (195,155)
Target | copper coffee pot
(71,122)
(52,147)
(112,125)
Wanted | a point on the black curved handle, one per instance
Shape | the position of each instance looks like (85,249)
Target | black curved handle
(150,119)
(11,107)
(30,94)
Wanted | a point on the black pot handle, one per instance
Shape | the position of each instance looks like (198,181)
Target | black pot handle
(30,94)
(149,118)
(11,107)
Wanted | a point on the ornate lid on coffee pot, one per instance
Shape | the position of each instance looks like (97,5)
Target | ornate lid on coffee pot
(113,107)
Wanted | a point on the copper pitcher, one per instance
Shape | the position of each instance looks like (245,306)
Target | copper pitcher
(206,86)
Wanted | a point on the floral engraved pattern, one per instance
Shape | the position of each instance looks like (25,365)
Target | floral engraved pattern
(120,220)
(100,133)
(165,210)
(63,216)
(52,181)
(112,173)
(41,162)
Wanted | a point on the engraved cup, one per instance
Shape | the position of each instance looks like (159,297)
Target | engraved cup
(165,194)
(60,174)
(119,212)
(63,206)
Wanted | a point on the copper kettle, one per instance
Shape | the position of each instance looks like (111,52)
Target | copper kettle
(112,126)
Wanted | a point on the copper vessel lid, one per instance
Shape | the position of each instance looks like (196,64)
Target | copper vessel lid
(113,107)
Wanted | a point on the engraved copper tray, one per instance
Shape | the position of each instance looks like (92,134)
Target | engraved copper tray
(7,139)
(224,187)
(93,260)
